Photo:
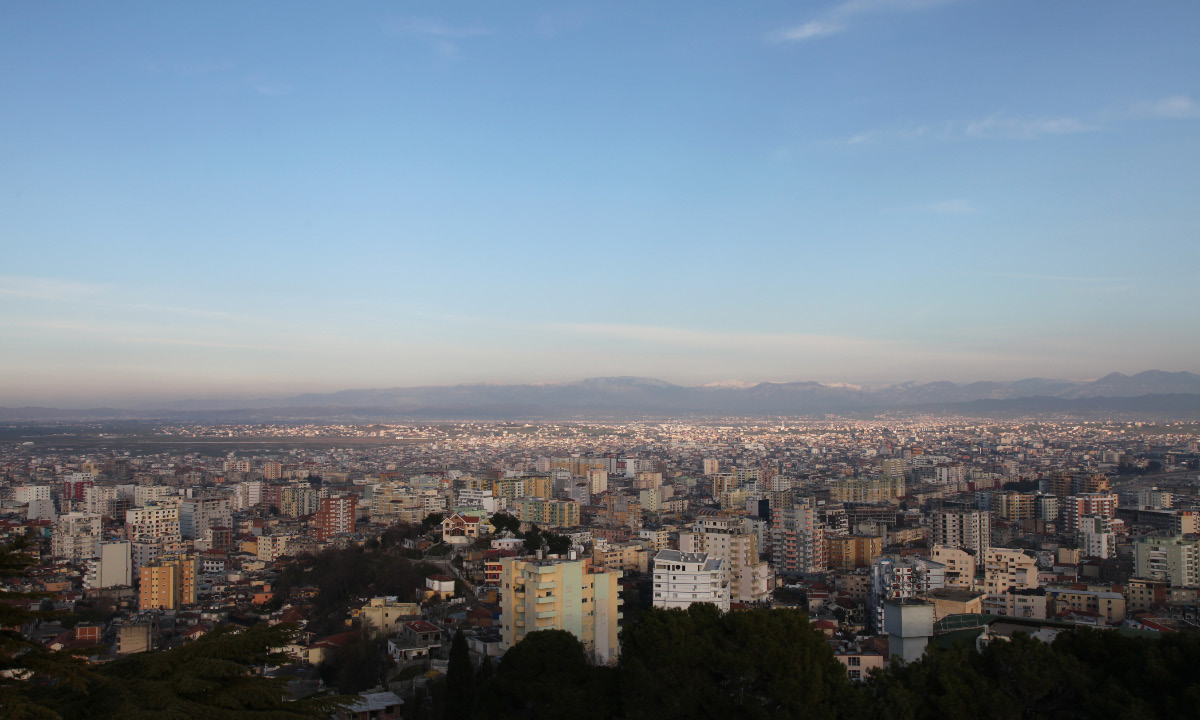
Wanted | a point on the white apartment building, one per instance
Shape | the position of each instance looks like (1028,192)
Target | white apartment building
(1096,536)
(899,578)
(198,515)
(681,579)
(598,481)
(76,535)
(966,529)
(146,494)
(1006,569)
(153,522)
(112,567)
(1175,560)
(29,493)
(750,578)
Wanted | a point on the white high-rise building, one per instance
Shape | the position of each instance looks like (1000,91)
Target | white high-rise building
(153,522)
(198,515)
(113,567)
(681,579)
(899,578)
(750,578)
(1096,536)
(29,493)
(145,494)
(966,529)
(76,535)
(598,481)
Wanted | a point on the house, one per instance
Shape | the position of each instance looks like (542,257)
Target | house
(459,529)
(418,639)
(316,653)
(441,584)
(422,632)
(372,706)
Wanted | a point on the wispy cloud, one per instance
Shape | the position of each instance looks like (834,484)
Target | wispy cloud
(136,334)
(994,127)
(683,337)
(268,89)
(1060,278)
(1026,128)
(434,27)
(809,30)
(952,207)
(1173,107)
(42,288)
(440,35)
(194,69)
(1076,284)
(553,24)
(838,17)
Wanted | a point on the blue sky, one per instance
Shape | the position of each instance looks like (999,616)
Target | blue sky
(262,198)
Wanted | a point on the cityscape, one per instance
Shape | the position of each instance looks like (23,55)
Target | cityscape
(893,537)
(824,360)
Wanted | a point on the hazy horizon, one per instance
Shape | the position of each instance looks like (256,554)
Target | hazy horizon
(268,199)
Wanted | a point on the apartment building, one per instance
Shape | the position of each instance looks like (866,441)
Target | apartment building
(197,515)
(681,579)
(169,582)
(899,578)
(561,594)
(847,552)
(797,539)
(336,516)
(547,513)
(76,536)
(1006,569)
(967,529)
(750,578)
(1175,560)
(866,490)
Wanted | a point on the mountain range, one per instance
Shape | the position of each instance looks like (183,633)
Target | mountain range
(1153,393)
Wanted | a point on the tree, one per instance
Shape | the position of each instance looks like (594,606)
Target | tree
(533,540)
(359,665)
(26,668)
(208,678)
(557,544)
(460,679)
(700,663)
(547,675)
(504,522)
(431,521)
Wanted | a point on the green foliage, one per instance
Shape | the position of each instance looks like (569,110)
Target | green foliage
(700,663)
(344,576)
(431,521)
(1083,674)
(553,543)
(26,668)
(209,678)
(503,522)
(547,675)
(359,665)
(460,679)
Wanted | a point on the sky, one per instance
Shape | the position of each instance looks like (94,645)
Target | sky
(264,198)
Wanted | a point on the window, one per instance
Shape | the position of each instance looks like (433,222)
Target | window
(854,661)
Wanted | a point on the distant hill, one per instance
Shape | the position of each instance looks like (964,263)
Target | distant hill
(1151,392)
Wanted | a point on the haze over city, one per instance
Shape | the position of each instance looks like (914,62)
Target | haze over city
(272,199)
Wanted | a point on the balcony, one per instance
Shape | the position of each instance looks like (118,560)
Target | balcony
(546,599)
(546,614)
(547,585)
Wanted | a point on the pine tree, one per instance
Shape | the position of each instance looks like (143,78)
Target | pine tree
(28,670)
(210,678)
(460,680)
